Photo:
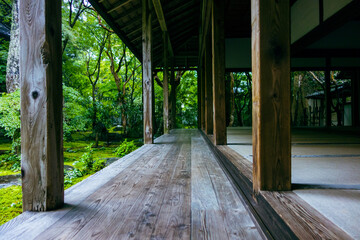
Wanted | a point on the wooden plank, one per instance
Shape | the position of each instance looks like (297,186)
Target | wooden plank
(109,204)
(173,220)
(208,88)
(218,68)
(266,218)
(206,216)
(73,196)
(41,105)
(148,85)
(217,211)
(304,220)
(271,95)
(166,85)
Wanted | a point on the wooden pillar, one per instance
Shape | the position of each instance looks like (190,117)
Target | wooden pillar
(355,99)
(218,69)
(208,88)
(327,95)
(42,166)
(199,95)
(166,85)
(271,95)
(173,96)
(202,94)
(148,85)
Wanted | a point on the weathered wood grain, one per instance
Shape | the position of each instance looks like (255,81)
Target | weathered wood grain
(208,87)
(73,196)
(166,84)
(271,95)
(148,195)
(148,84)
(298,216)
(218,68)
(217,211)
(41,104)
(173,221)
(101,206)
(305,221)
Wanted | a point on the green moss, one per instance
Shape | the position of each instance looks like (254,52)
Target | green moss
(75,181)
(5,146)
(10,203)
(4,172)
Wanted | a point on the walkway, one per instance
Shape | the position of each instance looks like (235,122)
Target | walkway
(173,189)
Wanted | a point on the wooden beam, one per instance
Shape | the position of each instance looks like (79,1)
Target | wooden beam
(271,95)
(218,69)
(166,85)
(161,19)
(147,73)
(118,6)
(42,165)
(208,87)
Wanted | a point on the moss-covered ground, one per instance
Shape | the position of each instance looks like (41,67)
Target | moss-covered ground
(11,197)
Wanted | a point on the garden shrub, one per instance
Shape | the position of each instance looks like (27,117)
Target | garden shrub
(125,148)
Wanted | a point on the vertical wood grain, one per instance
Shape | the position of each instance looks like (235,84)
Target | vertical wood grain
(202,94)
(271,95)
(147,73)
(218,69)
(208,88)
(166,84)
(41,105)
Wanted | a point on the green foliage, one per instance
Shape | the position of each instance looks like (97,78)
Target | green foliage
(125,148)
(186,102)
(10,162)
(87,164)
(10,203)
(4,48)
(10,113)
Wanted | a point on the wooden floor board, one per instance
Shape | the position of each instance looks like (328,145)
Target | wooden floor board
(173,189)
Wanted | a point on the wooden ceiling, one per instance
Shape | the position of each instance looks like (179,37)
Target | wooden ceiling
(182,18)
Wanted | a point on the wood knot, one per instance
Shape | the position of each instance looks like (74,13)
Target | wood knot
(35,95)
(22,173)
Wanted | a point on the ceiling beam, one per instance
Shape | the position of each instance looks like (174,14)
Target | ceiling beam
(161,19)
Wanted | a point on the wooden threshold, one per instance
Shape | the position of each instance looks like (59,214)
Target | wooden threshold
(282,215)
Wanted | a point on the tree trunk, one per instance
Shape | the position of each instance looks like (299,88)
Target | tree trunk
(12,68)
(95,130)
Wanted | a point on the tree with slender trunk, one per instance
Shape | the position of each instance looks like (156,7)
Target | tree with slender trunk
(93,77)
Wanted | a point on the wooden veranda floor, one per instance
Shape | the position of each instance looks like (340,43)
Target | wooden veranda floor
(173,189)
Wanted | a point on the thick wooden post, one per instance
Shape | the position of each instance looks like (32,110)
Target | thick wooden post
(166,85)
(271,95)
(208,88)
(173,96)
(199,96)
(355,99)
(202,95)
(327,95)
(42,166)
(218,69)
(147,73)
